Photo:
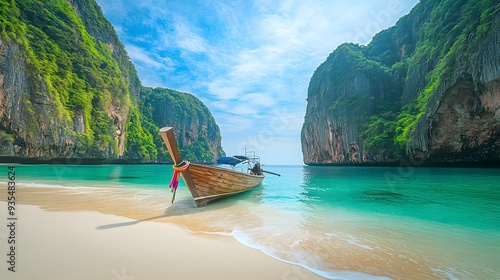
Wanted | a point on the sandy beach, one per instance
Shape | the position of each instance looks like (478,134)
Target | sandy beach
(58,237)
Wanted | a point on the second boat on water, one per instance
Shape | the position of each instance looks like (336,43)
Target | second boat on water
(208,183)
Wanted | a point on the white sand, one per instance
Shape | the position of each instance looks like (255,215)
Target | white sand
(92,246)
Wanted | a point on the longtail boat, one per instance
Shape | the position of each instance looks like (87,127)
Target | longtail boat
(208,183)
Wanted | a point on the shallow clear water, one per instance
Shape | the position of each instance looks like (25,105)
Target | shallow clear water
(341,222)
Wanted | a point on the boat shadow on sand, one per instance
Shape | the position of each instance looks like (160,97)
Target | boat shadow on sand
(186,206)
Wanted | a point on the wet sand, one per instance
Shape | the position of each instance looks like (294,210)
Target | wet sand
(64,234)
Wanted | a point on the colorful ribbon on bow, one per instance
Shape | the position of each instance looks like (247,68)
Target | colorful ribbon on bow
(174,182)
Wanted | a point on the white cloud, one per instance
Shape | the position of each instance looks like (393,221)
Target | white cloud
(187,39)
(149,59)
(259,99)
(223,91)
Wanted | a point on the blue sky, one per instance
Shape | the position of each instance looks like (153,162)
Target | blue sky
(249,61)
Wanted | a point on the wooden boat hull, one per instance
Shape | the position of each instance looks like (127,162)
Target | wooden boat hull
(208,183)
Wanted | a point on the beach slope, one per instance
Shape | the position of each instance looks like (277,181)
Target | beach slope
(91,245)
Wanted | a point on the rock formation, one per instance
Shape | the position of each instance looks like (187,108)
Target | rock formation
(427,88)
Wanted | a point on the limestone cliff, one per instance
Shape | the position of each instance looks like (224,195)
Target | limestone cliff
(68,88)
(197,133)
(340,102)
(428,88)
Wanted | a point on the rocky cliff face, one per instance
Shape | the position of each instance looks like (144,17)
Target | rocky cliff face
(54,101)
(69,90)
(29,124)
(198,136)
(426,88)
(340,102)
(462,121)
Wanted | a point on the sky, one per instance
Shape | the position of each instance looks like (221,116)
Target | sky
(249,61)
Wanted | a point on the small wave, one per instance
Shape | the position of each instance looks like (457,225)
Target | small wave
(246,240)
(42,185)
(137,193)
(211,232)
(453,274)
(350,239)
(354,241)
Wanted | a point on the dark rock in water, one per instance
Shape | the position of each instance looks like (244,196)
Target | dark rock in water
(383,193)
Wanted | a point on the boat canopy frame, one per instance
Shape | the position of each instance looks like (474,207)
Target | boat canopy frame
(250,158)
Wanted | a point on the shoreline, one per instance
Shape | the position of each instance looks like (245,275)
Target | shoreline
(61,233)
(402,162)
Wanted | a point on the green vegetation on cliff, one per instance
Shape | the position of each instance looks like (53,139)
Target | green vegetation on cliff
(140,141)
(193,123)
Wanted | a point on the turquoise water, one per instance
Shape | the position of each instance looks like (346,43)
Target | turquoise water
(340,222)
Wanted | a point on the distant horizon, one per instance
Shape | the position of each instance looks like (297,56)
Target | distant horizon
(250,63)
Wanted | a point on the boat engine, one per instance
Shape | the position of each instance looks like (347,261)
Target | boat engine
(256,170)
